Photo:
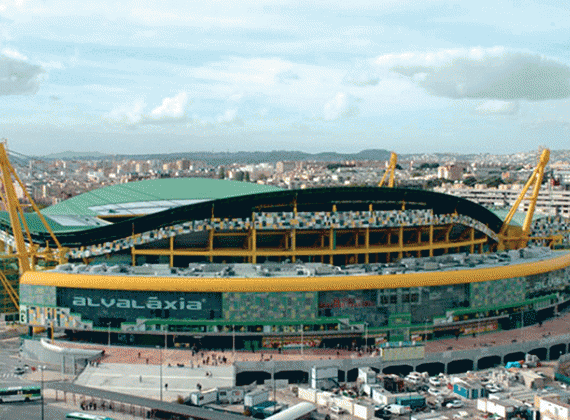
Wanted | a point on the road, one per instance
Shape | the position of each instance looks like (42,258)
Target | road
(9,359)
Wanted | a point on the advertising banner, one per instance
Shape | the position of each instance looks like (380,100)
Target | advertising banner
(105,306)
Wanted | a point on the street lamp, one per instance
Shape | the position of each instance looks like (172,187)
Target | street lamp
(302,338)
(366,337)
(234,342)
(41,368)
(160,350)
(109,334)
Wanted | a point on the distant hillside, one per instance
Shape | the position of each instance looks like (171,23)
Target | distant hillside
(76,155)
(224,158)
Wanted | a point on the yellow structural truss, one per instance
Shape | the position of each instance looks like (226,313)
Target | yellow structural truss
(513,237)
(390,171)
(337,246)
(26,253)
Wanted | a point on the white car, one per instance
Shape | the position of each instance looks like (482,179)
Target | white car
(435,381)
(491,387)
(435,392)
(336,409)
(454,404)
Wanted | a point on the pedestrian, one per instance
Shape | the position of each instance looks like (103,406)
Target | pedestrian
(147,360)
(165,386)
(140,378)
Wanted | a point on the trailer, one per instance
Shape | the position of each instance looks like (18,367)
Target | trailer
(203,398)
(256,397)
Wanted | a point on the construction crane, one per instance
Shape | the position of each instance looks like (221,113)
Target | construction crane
(390,171)
(25,253)
(512,237)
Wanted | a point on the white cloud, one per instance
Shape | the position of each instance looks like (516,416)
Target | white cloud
(128,115)
(171,108)
(17,75)
(362,75)
(229,117)
(496,107)
(341,106)
(484,73)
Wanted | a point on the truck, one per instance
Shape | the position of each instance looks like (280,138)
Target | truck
(412,401)
(397,409)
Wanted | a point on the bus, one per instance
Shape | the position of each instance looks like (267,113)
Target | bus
(20,393)
(85,416)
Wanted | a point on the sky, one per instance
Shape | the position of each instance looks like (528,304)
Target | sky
(411,76)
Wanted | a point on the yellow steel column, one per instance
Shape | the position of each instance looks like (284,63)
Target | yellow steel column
(331,238)
(401,242)
(367,245)
(293,244)
(322,233)
(11,206)
(253,240)
(133,256)
(431,239)
(331,244)
(419,253)
(447,232)
(172,251)
(211,243)
(472,237)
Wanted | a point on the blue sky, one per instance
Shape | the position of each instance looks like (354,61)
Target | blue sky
(227,75)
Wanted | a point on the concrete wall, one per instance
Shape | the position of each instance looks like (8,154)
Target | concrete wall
(475,355)
(70,361)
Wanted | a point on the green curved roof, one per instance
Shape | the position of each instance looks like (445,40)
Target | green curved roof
(166,192)
(518,217)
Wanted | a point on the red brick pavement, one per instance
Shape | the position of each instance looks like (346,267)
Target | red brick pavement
(133,355)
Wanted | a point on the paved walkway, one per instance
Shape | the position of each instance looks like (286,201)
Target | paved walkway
(152,356)
(145,380)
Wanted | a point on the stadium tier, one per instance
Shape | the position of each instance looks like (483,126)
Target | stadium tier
(268,268)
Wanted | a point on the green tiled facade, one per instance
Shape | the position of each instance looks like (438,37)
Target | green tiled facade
(498,292)
(275,306)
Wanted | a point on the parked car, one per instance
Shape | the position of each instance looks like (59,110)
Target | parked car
(454,404)
(493,388)
(398,409)
(336,409)
(435,392)
(382,414)
(435,381)
(18,370)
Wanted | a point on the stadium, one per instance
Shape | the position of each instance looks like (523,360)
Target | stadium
(221,264)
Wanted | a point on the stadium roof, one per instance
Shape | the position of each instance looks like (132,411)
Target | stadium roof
(134,199)
(241,205)
(151,196)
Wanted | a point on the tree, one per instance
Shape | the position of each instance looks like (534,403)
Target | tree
(221,173)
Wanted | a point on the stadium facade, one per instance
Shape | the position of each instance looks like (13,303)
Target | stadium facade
(267,268)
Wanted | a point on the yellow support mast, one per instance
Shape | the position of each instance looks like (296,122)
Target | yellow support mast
(11,203)
(510,238)
(390,171)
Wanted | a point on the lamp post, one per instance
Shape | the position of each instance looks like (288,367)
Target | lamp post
(234,342)
(160,350)
(108,334)
(366,337)
(42,389)
(302,339)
